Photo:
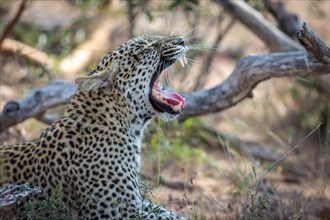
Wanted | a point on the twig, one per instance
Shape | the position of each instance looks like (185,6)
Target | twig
(12,23)
(284,156)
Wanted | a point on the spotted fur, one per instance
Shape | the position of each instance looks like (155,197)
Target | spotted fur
(92,154)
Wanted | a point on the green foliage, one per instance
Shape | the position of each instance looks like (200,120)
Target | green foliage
(28,34)
(145,192)
(304,93)
(86,4)
(51,209)
(181,142)
(258,5)
(257,199)
(140,5)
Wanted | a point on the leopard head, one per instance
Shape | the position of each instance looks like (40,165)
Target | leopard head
(134,70)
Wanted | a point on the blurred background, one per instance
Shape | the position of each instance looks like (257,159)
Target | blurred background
(225,165)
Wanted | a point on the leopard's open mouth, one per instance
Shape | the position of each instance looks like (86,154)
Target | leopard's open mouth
(162,100)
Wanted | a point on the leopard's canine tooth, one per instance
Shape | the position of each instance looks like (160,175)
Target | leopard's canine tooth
(185,62)
(181,61)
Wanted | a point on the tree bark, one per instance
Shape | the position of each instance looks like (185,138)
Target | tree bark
(12,196)
(275,39)
(313,44)
(36,104)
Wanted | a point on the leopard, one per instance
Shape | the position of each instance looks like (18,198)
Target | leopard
(92,154)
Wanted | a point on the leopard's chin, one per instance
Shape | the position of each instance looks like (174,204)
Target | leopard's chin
(165,101)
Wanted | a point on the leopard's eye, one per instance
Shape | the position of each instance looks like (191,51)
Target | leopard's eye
(154,45)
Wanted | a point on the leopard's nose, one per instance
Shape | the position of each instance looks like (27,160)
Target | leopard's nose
(181,41)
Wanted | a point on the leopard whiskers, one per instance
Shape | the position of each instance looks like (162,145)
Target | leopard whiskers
(186,35)
(195,63)
(170,20)
(179,27)
(202,48)
(194,37)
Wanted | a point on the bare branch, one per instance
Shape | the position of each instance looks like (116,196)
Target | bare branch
(56,93)
(250,71)
(275,40)
(12,23)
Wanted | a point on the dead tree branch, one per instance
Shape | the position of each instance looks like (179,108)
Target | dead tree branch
(275,40)
(314,44)
(12,23)
(249,72)
(14,195)
(34,105)
(289,23)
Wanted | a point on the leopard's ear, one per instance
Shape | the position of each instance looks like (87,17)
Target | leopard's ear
(98,78)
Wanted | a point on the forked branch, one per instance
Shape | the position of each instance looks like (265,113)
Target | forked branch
(248,73)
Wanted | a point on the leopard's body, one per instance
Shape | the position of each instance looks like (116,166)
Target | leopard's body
(92,154)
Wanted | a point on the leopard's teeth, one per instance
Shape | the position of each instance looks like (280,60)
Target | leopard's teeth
(181,61)
(177,107)
(156,95)
(185,62)
(154,92)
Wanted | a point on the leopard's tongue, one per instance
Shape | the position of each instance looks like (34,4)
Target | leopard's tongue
(171,98)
